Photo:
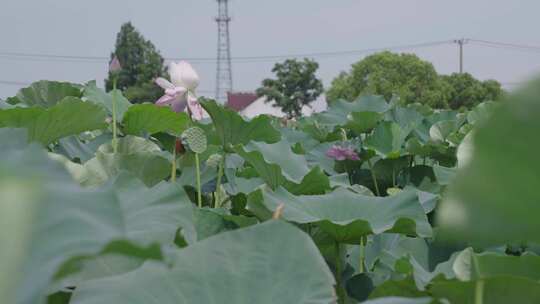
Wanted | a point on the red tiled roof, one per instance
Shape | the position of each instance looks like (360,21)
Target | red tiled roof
(240,101)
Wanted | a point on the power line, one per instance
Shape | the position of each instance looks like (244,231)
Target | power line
(94,59)
(504,45)
(15,83)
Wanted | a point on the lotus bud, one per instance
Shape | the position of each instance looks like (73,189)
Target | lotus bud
(115,65)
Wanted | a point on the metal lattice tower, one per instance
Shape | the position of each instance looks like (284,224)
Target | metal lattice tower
(224,82)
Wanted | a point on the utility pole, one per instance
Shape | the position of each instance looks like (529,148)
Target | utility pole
(461,42)
(224,81)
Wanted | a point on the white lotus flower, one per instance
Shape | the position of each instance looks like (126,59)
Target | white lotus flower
(180,91)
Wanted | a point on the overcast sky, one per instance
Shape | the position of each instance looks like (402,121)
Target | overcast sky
(186,28)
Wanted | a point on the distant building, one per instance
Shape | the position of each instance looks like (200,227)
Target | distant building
(249,105)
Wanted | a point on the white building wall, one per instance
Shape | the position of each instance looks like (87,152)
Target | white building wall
(259,107)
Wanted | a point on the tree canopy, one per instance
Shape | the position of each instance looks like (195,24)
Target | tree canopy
(412,80)
(141,64)
(296,85)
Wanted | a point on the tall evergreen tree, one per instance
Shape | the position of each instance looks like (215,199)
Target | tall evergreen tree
(141,64)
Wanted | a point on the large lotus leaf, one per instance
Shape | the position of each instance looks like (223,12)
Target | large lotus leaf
(498,185)
(362,122)
(236,267)
(407,118)
(482,112)
(347,216)
(274,162)
(387,140)
(339,110)
(471,266)
(442,130)
(75,148)
(442,115)
(444,175)
(400,300)
(232,129)
(314,182)
(152,218)
(496,290)
(58,219)
(137,155)
(296,136)
(98,96)
(153,215)
(46,93)
(69,117)
(147,119)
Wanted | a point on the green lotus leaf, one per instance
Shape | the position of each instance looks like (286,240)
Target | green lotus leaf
(497,183)
(99,97)
(147,119)
(277,165)
(442,130)
(400,300)
(482,112)
(46,219)
(224,267)
(387,140)
(70,116)
(337,113)
(137,155)
(46,93)
(362,122)
(232,129)
(496,290)
(470,266)
(347,216)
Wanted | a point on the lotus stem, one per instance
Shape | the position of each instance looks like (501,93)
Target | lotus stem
(479,292)
(362,254)
(339,287)
(173,169)
(113,101)
(198,169)
(374,178)
(217,202)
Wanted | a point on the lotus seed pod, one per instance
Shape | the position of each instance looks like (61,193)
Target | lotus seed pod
(195,139)
(214,160)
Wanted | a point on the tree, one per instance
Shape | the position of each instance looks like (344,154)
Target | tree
(467,91)
(141,64)
(296,85)
(412,80)
(403,75)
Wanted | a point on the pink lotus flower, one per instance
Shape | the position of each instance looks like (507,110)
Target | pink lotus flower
(180,91)
(114,65)
(342,153)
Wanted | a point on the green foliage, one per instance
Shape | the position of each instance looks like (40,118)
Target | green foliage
(214,264)
(141,64)
(412,80)
(68,117)
(480,197)
(81,224)
(388,74)
(148,119)
(45,93)
(466,91)
(295,86)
